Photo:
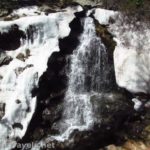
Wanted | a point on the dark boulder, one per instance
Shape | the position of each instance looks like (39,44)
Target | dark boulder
(11,40)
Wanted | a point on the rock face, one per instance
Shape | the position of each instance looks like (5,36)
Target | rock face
(111,109)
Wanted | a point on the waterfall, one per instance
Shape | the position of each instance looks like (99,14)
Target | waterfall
(86,76)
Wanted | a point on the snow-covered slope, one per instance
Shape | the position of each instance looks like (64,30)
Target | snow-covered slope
(132,53)
(29,62)
(103,15)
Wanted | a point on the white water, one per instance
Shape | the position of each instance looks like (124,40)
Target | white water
(20,77)
(86,77)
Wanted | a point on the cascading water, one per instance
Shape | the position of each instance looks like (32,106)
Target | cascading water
(87,75)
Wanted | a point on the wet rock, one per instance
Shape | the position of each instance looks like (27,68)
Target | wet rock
(52,113)
(22,56)
(4,59)
(111,109)
(107,39)
(38,133)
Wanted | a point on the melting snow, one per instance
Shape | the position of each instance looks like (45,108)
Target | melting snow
(132,53)
(20,77)
(103,15)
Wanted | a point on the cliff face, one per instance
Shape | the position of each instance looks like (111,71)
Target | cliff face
(68,78)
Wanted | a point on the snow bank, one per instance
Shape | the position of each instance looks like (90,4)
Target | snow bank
(103,15)
(21,77)
(132,53)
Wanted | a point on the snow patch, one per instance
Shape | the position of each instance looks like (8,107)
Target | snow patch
(103,15)
(21,77)
(132,53)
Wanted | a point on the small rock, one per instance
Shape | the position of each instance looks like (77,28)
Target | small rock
(19,70)
(18,101)
(17,125)
(4,59)
(27,53)
(21,57)
(28,109)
